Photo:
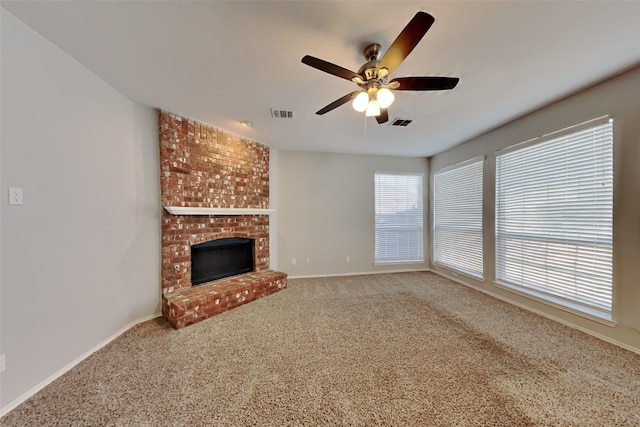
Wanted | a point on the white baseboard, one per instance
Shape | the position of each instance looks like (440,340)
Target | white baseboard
(543,314)
(357,274)
(12,405)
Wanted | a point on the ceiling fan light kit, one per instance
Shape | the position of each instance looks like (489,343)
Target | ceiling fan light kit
(372,100)
(376,90)
(373,109)
(385,97)
(360,102)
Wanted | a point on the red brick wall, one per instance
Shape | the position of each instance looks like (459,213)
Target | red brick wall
(202,166)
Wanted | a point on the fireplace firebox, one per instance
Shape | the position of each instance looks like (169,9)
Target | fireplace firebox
(221,258)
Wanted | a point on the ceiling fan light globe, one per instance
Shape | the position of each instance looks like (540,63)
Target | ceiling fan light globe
(360,102)
(373,109)
(385,97)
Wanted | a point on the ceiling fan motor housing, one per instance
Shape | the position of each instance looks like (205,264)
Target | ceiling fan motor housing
(369,70)
(371,54)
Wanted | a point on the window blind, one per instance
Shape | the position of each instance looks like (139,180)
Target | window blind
(398,218)
(457,217)
(554,218)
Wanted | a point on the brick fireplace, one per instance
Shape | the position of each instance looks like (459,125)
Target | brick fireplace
(224,181)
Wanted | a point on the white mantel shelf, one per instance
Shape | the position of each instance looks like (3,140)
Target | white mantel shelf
(184,210)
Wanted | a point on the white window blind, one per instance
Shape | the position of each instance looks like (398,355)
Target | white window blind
(554,215)
(457,217)
(399,218)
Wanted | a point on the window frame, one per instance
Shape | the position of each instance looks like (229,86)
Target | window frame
(479,228)
(547,296)
(420,258)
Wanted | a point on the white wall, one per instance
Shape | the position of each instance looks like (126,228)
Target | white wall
(326,211)
(619,97)
(81,258)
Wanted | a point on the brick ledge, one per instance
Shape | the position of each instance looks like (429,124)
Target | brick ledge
(191,305)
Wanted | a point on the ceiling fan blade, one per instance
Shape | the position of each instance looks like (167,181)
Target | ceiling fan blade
(426,83)
(328,67)
(383,117)
(408,38)
(337,103)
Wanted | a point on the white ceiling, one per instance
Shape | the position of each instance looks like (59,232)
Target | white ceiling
(222,62)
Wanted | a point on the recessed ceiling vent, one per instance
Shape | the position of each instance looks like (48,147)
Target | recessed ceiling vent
(277,113)
(400,122)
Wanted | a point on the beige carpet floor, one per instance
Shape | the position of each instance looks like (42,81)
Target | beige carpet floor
(391,349)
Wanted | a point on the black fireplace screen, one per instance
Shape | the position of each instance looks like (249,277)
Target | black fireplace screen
(220,258)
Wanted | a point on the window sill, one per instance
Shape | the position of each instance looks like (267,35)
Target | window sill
(398,262)
(455,272)
(560,304)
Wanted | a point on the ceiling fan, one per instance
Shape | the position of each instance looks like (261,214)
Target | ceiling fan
(375,94)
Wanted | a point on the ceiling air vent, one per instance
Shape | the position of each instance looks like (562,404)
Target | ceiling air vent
(281,114)
(400,122)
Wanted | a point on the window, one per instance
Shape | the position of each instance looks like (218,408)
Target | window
(399,218)
(457,217)
(554,209)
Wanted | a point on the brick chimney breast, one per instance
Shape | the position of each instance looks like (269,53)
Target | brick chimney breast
(202,166)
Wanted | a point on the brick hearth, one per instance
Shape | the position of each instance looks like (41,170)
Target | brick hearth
(197,303)
(202,166)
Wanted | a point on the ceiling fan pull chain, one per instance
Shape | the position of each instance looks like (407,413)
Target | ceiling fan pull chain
(365,126)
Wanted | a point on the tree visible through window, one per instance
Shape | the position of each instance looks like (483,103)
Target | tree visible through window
(399,235)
